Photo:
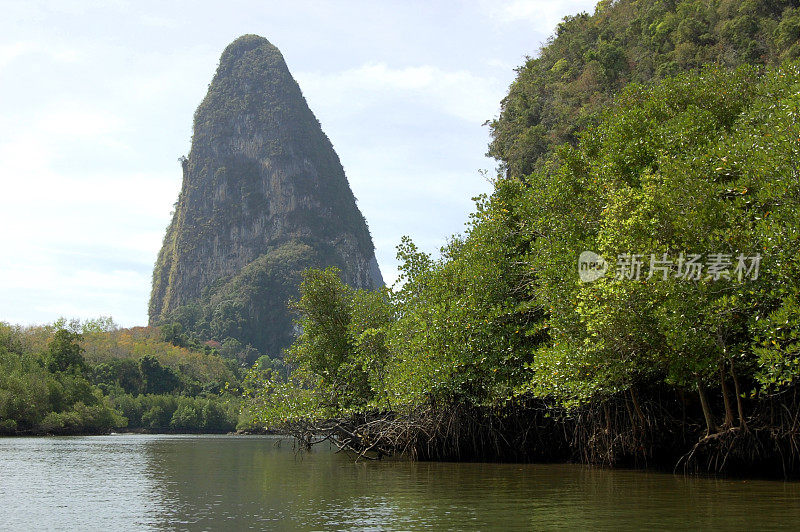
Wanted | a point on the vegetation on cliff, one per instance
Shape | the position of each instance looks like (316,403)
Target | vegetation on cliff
(591,57)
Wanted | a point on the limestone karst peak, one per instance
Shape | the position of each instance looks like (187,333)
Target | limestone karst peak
(264,196)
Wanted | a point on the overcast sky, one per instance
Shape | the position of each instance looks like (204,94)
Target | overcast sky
(96,105)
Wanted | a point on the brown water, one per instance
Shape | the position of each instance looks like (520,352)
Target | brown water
(232,483)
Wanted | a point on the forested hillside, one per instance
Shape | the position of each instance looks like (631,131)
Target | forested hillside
(661,136)
(591,57)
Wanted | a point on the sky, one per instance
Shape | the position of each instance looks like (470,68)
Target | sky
(96,107)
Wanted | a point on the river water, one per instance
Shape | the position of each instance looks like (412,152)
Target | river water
(139,482)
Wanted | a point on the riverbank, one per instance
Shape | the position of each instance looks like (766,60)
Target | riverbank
(654,430)
(609,435)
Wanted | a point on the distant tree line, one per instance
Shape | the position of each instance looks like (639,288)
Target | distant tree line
(73,378)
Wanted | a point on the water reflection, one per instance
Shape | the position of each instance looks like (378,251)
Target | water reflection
(86,483)
(221,482)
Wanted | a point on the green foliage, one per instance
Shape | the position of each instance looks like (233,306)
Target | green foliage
(668,169)
(173,413)
(55,380)
(95,418)
(199,368)
(25,390)
(371,316)
(705,162)
(251,307)
(591,58)
(173,333)
(33,399)
(118,373)
(461,330)
(324,351)
(156,378)
(65,352)
(454,332)
(339,362)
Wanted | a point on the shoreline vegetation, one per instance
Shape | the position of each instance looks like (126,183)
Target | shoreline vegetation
(92,377)
(648,129)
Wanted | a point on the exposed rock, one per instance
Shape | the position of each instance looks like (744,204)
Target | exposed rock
(264,196)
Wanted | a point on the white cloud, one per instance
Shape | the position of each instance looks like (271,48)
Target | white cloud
(80,7)
(10,52)
(160,22)
(461,94)
(543,15)
(78,242)
(77,119)
(16,50)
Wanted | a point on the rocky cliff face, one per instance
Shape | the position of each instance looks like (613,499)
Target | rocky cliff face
(264,196)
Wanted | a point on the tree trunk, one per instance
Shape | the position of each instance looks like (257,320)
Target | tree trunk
(682,397)
(728,423)
(630,415)
(739,404)
(711,427)
(637,408)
